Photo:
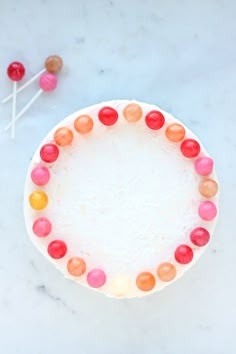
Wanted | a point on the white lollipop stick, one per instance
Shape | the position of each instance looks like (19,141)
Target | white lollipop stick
(13,117)
(15,72)
(20,114)
(47,82)
(6,99)
(53,65)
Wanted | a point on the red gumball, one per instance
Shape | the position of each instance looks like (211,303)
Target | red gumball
(108,116)
(190,148)
(155,120)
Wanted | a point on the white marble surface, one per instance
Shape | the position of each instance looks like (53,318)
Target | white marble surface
(178,54)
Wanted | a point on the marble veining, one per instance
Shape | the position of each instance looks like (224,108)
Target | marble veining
(179,55)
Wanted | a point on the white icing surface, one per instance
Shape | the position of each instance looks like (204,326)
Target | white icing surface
(122,197)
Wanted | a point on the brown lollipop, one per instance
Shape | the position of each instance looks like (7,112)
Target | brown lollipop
(53,64)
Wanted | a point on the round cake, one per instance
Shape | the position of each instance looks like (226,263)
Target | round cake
(121,197)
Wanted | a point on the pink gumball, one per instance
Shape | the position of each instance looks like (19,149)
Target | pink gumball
(42,227)
(40,175)
(96,278)
(204,165)
(48,82)
(207,210)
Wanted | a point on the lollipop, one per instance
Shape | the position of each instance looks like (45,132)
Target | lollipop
(16,72)
(47,82)
(53,65)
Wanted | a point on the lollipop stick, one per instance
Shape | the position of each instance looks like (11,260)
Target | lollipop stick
(21,88)
(13,117)
(29,104)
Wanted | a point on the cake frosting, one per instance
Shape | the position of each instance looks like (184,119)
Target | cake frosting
(126,190)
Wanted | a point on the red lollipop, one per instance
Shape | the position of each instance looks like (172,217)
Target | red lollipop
(16,72)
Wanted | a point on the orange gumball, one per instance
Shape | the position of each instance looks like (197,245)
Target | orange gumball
(166,271)
(132,112)
(63,136)
(83,124)
(145,281)
(208,187)
(38,200)
(76,266)
(175,132)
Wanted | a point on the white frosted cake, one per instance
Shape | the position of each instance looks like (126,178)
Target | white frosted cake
(121,197)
